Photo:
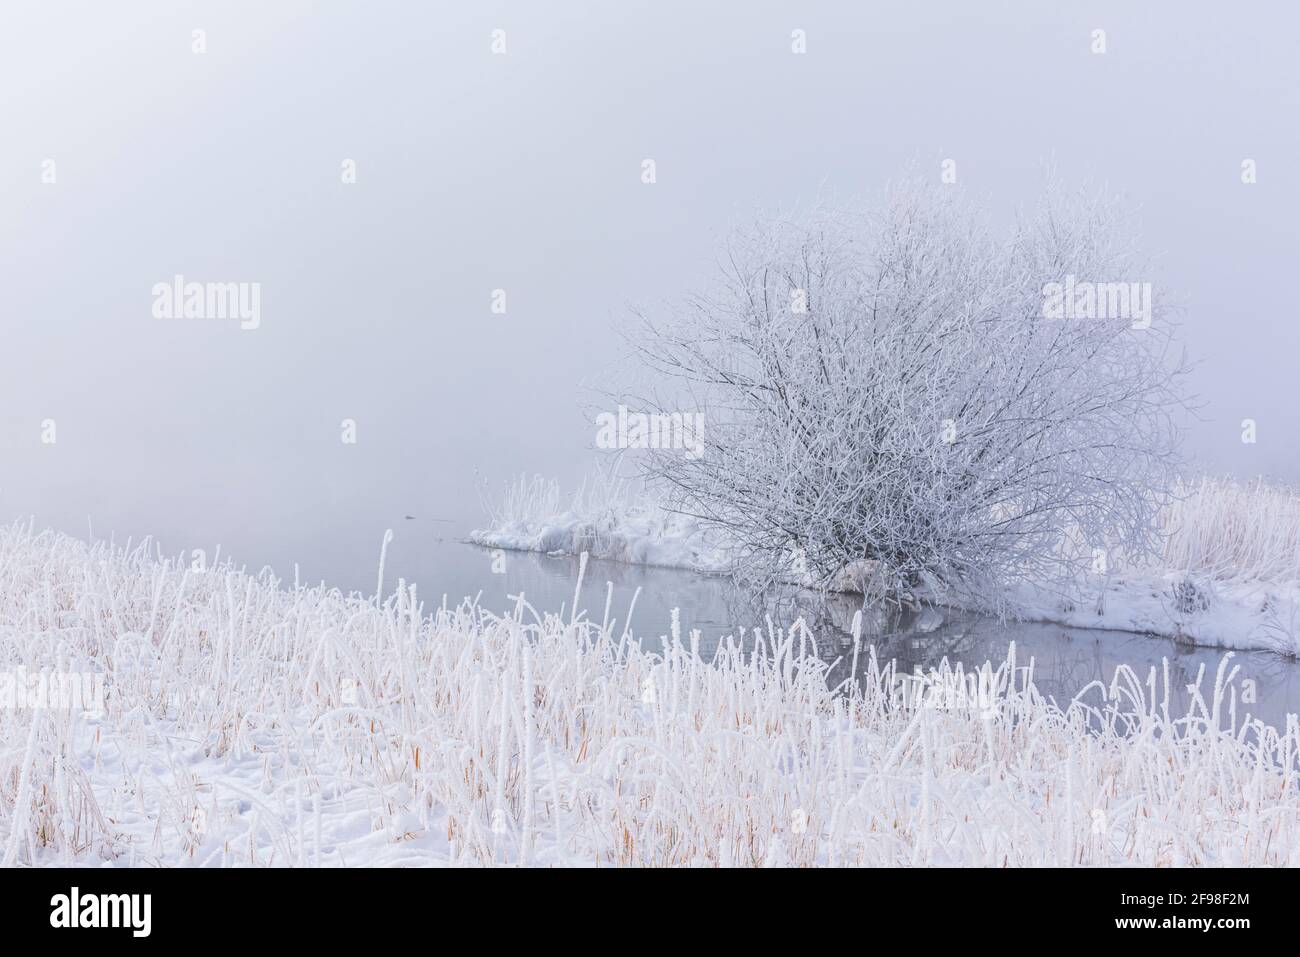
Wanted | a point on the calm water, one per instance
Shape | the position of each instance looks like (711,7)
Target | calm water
(1065,659)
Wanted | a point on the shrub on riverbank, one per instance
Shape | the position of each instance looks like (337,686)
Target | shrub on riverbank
(892,394)
(1227,575)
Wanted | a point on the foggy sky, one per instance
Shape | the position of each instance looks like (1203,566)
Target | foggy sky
(478,171)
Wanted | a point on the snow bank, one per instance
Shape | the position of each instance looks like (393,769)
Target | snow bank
(243,723)
(604,520)
(1233,613)
(1222,602)
(642,535)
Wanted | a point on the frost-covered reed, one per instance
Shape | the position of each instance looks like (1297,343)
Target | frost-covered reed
(1228,528)
(246,722)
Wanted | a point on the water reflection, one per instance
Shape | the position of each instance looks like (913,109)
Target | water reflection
(1065,659)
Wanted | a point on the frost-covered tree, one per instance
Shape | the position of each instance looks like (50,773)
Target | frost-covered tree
(899,395)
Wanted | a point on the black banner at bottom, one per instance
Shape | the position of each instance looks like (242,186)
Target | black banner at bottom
(337,907)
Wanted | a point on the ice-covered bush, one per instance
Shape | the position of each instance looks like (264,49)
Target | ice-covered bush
(887,394)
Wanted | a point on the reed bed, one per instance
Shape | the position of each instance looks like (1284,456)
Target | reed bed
(1228,528)
(248,722)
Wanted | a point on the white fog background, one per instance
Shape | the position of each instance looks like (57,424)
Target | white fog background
(478,171)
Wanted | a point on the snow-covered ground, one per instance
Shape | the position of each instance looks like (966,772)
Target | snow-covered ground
(246,722)
(1232,578)
(638,534)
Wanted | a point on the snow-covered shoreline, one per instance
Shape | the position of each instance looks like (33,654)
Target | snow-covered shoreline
(246,723)
(1229,609)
